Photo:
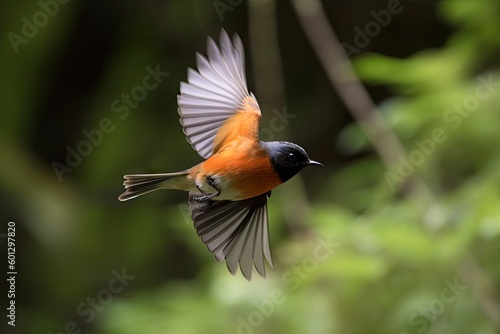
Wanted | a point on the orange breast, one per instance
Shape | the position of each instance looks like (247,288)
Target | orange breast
(243,167)
(239,165)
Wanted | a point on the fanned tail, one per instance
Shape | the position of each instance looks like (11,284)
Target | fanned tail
(140,184)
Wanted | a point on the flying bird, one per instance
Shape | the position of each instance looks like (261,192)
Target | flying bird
(228,191)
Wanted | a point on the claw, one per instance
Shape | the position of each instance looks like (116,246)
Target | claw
(206,196)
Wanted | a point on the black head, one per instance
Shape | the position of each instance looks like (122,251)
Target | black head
(287,158)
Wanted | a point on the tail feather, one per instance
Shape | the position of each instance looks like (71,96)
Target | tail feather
(140,184)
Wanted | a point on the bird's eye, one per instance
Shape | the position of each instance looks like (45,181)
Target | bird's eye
(292,157)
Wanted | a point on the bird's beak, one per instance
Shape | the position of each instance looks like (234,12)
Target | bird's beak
(313,163)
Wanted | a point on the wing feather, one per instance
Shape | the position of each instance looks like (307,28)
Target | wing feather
(190,102)
(246,256)
(231,62)
(236,231)
(214,76)
(215,93)
(200,93)
(204,120)
(236,248)
(220,65)
(258,250)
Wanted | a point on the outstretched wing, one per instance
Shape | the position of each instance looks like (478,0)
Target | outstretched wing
(236,231)
(215,105)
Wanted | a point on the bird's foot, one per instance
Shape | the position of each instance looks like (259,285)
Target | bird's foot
(207,196)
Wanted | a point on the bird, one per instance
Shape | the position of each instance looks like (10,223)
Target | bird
(229,190)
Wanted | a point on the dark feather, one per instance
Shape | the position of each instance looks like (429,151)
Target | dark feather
(236,231)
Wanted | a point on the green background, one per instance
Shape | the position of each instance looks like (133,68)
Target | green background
(418,257)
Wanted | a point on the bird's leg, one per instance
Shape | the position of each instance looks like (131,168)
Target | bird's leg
(205,196)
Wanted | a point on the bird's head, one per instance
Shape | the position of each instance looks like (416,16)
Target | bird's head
(287,158)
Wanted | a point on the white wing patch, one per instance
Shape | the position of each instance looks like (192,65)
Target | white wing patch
(214,93)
